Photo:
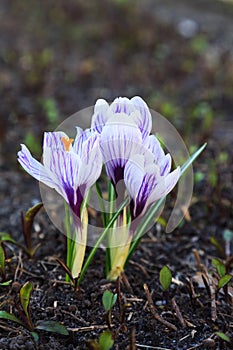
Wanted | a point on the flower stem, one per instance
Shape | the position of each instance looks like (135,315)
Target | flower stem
(100,239)
(69,248)
(111,208)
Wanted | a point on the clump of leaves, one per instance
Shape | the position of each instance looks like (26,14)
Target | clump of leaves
(27,220)
(109,300)
(23,308)
(223,277)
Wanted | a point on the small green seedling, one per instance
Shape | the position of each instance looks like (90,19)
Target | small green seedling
(220,267)
(105,342)
(27,223)
(217,245)
(224,280)
(2,262)
(109,300)
(23,308)
(223,336)
(165,278)
(4,282)
(224,277)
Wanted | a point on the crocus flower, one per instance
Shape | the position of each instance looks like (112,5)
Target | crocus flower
(70,167)
(67,164)
(123,126)
(148,178)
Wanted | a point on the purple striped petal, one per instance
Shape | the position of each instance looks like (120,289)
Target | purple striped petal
(122,105)
(134,174)
(54,140)
(148,182)
(91,161)
(100,115)
(81,137)
(152,144)
(37,170)
(120,139)
(165,165)
(143,118)
(164,186)
(66,166)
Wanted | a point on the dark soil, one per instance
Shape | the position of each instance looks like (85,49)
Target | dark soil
(72,53)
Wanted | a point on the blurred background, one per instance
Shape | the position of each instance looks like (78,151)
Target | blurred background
(57,57)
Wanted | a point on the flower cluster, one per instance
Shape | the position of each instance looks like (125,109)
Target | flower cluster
(120,138)
(131,154)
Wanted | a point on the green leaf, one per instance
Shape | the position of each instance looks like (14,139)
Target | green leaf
(223,336)
(108,300)
(35,336)
(28,222)
(52,326)
(193,157)
(219,266)
(31,213)
(148,218)
(5,284)
(7,316)
(6,237)
(165,278)
(217,245)
(2,260)
(224,280)
(25,294)
(105,340)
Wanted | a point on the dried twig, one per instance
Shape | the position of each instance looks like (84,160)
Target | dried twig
(132,340)
(213,301)
(194,296)
(88,329)
(126,282)
(19,267)
(79,319)
(8,329)
(178,313)
(142,268)
(154,312)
